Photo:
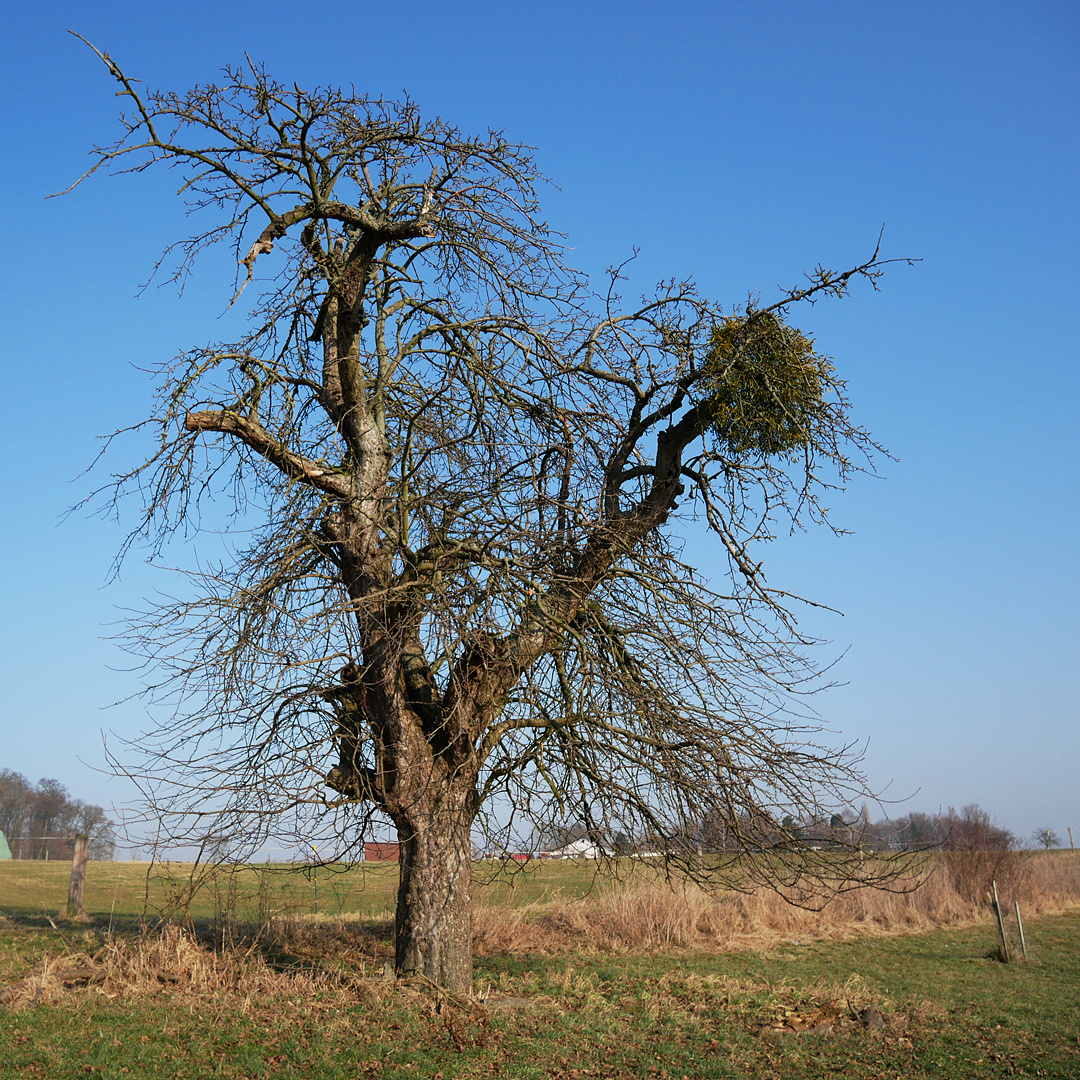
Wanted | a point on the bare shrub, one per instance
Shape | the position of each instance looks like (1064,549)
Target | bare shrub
(978,853)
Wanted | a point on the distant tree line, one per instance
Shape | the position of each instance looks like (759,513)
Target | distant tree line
(40,820)
(969,829)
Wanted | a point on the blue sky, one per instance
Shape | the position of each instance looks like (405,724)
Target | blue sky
(736,143)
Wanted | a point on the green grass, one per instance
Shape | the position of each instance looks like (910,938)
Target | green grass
(126,890)
(950,1010)
(129,890)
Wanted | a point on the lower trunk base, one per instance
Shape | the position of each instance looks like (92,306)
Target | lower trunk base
(433,925)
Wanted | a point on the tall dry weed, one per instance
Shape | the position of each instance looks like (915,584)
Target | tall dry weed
(950,890)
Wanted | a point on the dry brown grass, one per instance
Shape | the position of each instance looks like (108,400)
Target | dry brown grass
(949,891)
(300,959)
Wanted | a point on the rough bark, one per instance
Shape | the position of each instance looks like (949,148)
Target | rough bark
(433,923)
(424,779)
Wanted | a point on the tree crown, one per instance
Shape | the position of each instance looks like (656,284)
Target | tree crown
(464,470)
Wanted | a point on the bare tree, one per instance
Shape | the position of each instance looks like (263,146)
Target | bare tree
(93,822)
(461,601)
(972,829)
(48,817)
(1046,838)
(16,799)
(39,821)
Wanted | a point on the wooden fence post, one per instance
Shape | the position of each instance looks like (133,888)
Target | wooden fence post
(78,876)
(1001,924)
(1020,927)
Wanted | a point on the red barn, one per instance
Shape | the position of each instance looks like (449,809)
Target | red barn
(378,851)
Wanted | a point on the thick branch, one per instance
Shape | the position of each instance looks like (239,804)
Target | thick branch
(293,465)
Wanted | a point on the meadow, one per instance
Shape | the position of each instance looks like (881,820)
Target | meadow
(232,973)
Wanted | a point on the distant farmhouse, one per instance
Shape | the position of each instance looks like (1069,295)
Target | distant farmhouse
(576,849)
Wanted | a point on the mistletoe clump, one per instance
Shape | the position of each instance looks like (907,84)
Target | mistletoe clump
(765,386)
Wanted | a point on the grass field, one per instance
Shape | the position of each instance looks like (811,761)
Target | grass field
(559,993)
(126,890)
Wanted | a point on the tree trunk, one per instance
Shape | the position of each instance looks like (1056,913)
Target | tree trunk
(433,925)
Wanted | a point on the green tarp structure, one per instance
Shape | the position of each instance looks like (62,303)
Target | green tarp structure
(5,851)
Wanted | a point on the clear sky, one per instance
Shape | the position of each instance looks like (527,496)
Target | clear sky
(736,143)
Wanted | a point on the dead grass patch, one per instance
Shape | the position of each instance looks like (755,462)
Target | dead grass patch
(827,1009)
(950,891)
(289,961)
